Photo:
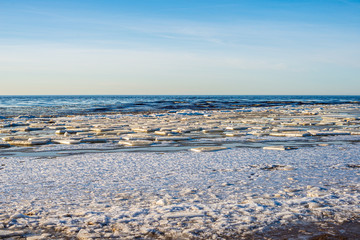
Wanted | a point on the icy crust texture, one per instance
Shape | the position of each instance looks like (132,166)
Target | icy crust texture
(177,195)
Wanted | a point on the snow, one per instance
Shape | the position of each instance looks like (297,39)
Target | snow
(179,194)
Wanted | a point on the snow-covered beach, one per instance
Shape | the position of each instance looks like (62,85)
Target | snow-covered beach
(178,195)
(133,176)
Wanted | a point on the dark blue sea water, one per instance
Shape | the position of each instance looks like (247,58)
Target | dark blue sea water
(65,105)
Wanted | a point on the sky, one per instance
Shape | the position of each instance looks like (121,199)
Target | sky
(237,47)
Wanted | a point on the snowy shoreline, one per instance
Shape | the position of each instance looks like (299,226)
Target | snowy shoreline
(179,194)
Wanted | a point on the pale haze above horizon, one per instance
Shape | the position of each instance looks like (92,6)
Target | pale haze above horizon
(165,47)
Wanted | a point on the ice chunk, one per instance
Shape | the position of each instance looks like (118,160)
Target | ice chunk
(136,143)
(207,149)
(66,141)
(138,137)
(281,148)
(290,134)
(29,142)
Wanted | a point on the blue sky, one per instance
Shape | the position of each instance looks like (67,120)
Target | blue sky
(179,47)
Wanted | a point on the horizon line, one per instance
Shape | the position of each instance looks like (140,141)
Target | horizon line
(11,95)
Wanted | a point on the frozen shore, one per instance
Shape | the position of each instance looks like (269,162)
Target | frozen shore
(248,173)
(209,195)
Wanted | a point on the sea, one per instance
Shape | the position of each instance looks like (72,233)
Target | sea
(62,105)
